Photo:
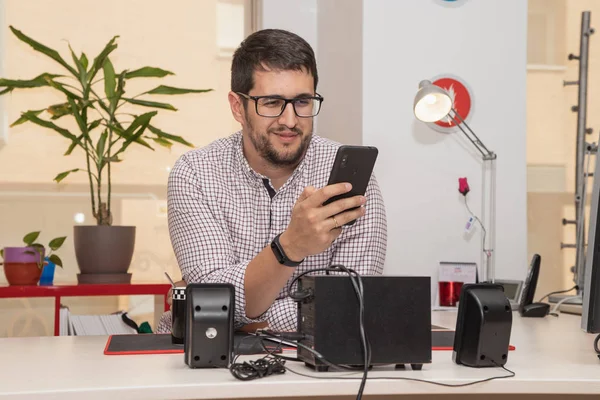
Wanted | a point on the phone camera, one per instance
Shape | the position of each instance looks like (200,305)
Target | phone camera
(344,161)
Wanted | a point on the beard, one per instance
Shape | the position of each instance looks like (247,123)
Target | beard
(267,151)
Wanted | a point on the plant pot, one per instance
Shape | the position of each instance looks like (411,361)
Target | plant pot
(47,277)
(104,253)
(21,267)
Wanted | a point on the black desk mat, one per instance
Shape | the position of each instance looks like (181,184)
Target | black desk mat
(161,344)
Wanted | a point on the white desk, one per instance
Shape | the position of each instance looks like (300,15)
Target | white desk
(553,356)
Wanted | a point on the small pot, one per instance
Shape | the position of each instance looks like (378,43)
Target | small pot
(20,267)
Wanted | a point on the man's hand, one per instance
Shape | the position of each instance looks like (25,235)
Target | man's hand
(313,227)
(170,294)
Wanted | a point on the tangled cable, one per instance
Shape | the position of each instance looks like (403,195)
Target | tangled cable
(248,370)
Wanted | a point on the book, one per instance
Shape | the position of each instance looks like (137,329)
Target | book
(81,325)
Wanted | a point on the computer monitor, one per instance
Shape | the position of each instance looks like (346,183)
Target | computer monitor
(512,290)
(590,312)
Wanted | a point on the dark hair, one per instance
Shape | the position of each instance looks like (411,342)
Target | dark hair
(272,48)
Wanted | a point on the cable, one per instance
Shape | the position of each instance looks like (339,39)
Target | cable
(576,287)
(487,252)
(402,378)
(248,370)
(303,295)
(274,363)
(596,345)
(555,308)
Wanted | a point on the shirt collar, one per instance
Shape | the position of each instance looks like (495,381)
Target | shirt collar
(257,178)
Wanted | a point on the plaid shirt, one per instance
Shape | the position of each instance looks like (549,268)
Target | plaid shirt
(222,214)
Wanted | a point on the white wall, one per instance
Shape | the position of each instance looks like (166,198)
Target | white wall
(482,42)
(296,16)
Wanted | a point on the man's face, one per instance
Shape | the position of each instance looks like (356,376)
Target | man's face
(283,140)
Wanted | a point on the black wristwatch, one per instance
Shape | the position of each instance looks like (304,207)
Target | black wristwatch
(280,254)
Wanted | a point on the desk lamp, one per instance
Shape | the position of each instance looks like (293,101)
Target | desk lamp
(433,103)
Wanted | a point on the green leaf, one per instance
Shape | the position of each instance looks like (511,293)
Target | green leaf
(39,81)
(30,238)
(94,124)
(60,87)
(162,89)
(148,72)
(56,243)
(83,60)
(22,120)
(73,144)
(43,49)
(55,259)
(101,58)
(120,131)
(80,122)
(109,83)
(140,123)
(163,142)
(101,144)
(63,175)
(80,68)
(150,104)
(168,136)
(47,124)
(59,110)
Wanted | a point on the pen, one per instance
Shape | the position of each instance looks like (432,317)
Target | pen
(169,278)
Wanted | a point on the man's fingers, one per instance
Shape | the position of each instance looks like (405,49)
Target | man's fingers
(309,190)
(339,206)
(346,217)
(320,196)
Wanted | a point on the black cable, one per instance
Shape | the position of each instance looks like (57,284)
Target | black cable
(402,378)
(576,287)
(596,345)
(302,295)
(248,370)
(366,346)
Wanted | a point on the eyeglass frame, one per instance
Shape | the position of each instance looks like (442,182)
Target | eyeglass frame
(285,103)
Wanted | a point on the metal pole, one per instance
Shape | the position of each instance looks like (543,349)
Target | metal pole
(580,179)
(488,199)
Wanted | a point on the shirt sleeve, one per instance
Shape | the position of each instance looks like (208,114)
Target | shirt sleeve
(362,246)
(200,241)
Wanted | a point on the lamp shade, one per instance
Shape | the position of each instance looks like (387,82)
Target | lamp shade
(432,103)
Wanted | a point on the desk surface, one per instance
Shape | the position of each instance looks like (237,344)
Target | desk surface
(553,356)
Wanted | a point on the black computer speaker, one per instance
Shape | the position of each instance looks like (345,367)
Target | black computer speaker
(209,325)
(483,326)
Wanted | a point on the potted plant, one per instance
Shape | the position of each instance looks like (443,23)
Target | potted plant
(23,265)
(94,94)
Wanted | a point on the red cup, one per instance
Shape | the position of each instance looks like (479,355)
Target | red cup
(449,293)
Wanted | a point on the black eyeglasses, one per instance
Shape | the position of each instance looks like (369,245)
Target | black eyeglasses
(273,106)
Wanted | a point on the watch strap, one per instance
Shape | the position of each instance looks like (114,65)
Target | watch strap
(280,255)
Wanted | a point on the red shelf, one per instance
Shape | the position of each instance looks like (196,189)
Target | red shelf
(58,291)
(84,290)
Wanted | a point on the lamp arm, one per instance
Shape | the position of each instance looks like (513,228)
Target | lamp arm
(487,154)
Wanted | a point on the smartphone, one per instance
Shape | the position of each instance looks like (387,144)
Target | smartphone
(353,164)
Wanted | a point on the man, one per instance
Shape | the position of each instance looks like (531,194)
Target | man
(229,201)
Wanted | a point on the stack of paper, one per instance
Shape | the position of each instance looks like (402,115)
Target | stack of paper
(80,325)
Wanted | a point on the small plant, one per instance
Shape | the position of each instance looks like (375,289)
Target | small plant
(55,244)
